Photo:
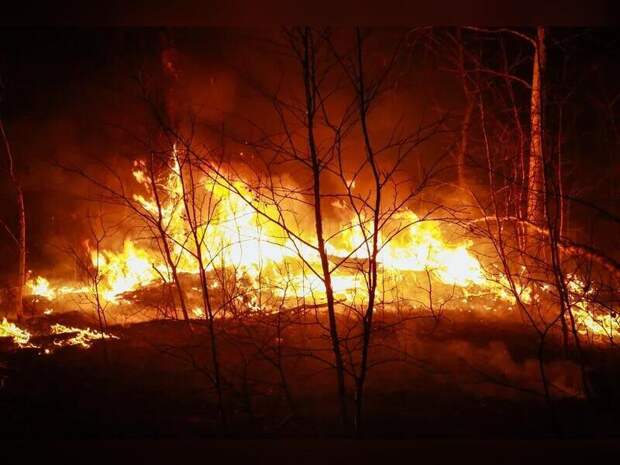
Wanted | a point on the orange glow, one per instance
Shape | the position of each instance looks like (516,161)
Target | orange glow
(239,233)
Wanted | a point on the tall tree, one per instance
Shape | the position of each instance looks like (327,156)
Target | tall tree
(536,179)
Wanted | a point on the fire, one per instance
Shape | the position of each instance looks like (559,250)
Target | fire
(238,232)
(82,337)
(124,271)
(198,312)
(606,326)
(79,337)
(415,245)
(588,322)
(40,287)
(20,336)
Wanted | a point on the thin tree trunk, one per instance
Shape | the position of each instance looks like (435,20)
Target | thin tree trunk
(309,85)
(466,122)
(166,246)
(372,261)
(536,180)
(554,223)
(21,251)
(521,164)
(193,222)
(18,308)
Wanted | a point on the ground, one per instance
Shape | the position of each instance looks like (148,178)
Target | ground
(466,378)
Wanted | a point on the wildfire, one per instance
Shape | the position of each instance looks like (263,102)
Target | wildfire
(80,337)
(83,337)
(587,320)
(198,312)
(39,286)
(415,245)
(607,325)
(237,232)
(124,271)
(20,336)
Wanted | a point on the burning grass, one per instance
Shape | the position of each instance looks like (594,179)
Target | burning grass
(253,261)
(46,338)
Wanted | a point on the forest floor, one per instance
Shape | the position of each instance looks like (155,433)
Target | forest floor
(466,378)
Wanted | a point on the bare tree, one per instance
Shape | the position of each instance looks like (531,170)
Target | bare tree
(536,202)
(198,221)
(375,211)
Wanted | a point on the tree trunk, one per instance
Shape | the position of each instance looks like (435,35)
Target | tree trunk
(466,122)
(193,221)
(309,85)
(166,246)
(372,261)
(536,179)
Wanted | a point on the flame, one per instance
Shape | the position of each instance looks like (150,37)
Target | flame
(198,312)
(238,234)
(587,321)
(124,271)
(20,336)
(40,287)
(414,245)
(84,337)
